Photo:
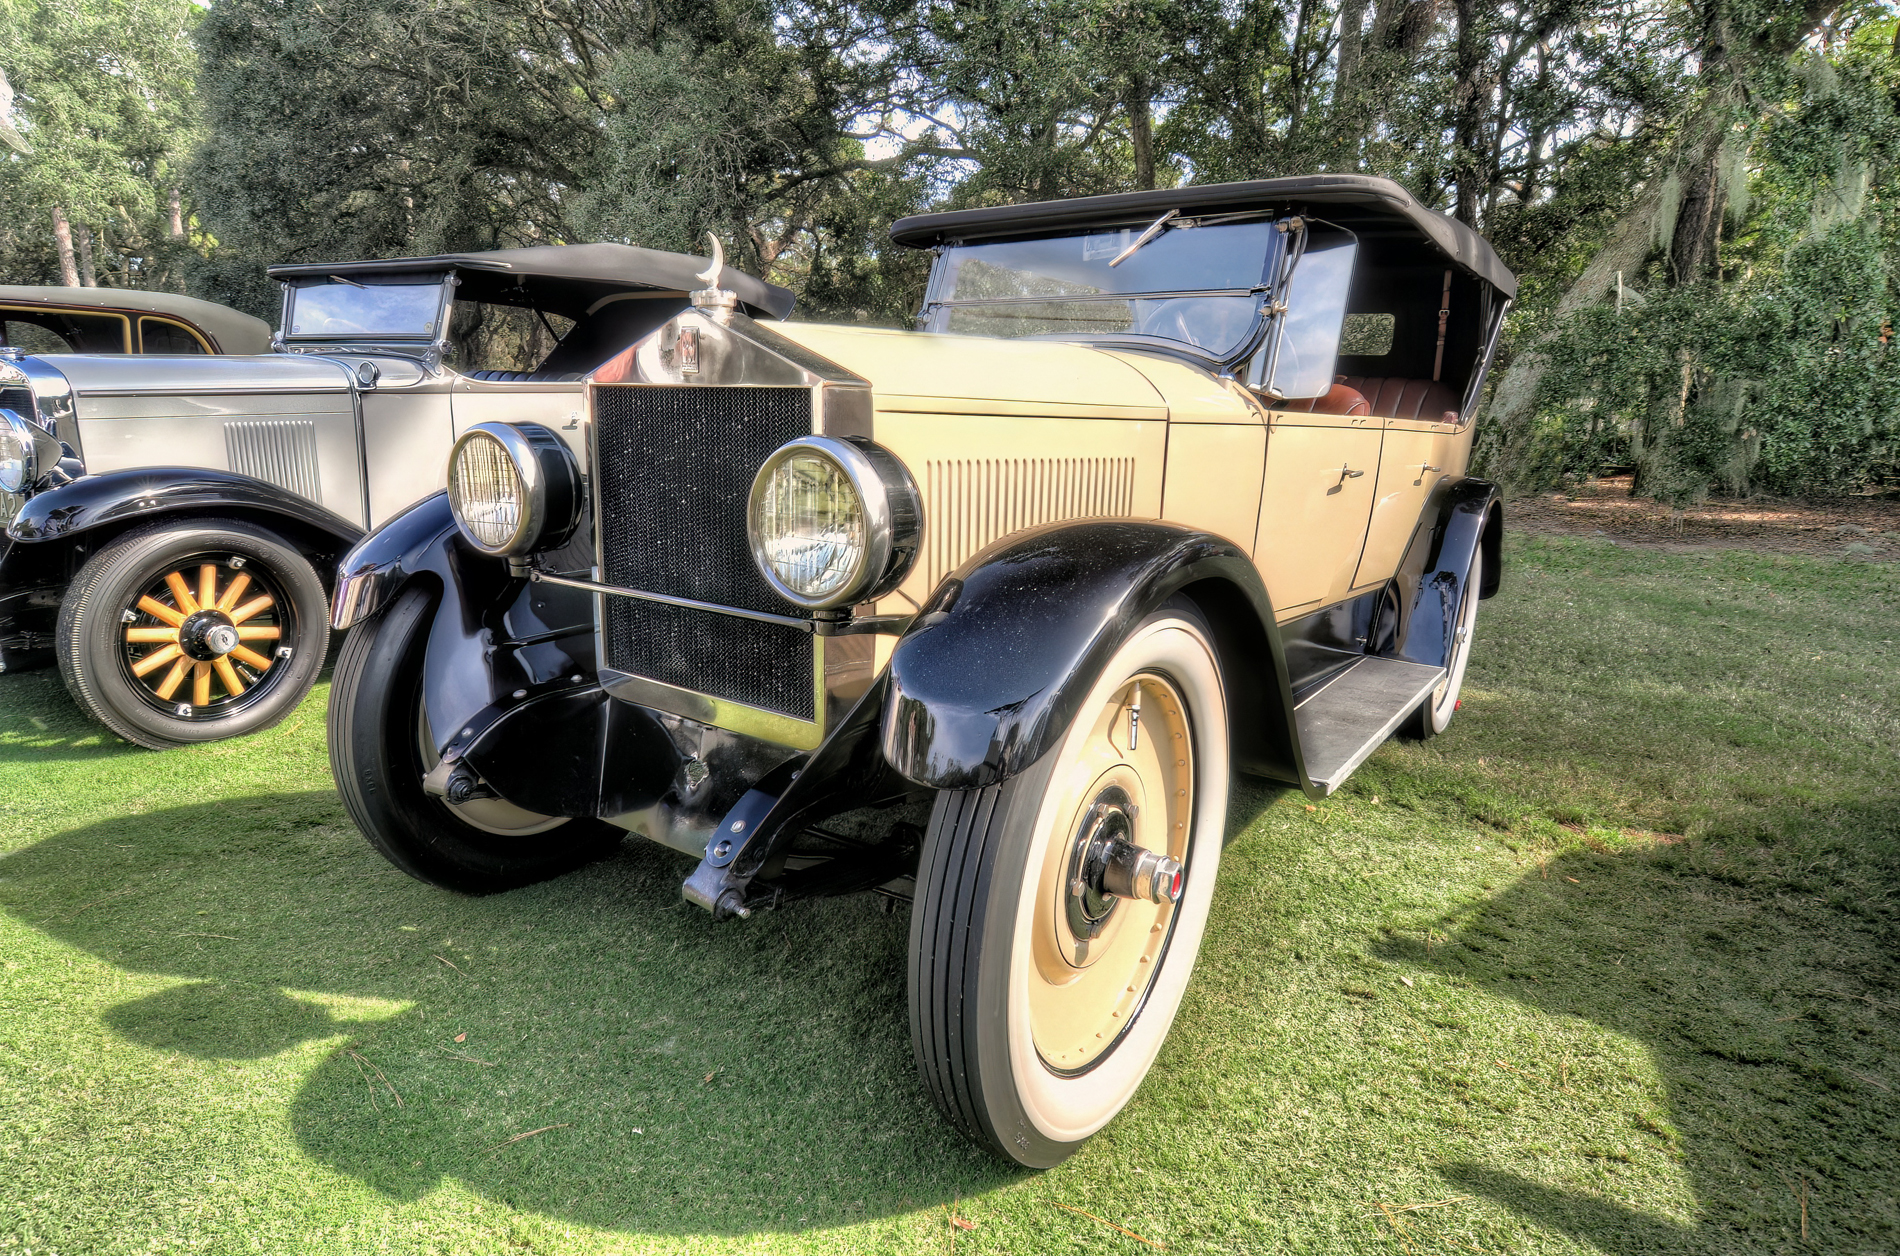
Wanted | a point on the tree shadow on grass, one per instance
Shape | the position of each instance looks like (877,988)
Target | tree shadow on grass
(1763,983)
(590,1048)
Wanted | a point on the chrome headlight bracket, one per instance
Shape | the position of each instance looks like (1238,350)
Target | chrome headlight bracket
(550,482)
(893,518)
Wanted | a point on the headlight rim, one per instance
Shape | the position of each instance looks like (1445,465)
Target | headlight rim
(29,438)
(893,519)
(551,487)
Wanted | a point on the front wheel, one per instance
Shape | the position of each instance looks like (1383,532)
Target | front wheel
(192,630)
(381,747)
(1058,915)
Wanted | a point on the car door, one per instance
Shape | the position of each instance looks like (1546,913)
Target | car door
(1412,460)
(1315,501)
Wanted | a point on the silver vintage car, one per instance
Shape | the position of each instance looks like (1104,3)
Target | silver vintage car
(172,521)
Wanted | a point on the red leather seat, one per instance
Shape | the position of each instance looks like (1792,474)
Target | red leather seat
(1393,398)
(1341,398)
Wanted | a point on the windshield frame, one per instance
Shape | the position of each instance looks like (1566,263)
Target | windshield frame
(444,282)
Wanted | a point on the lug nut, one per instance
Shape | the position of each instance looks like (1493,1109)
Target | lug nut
(1133,872)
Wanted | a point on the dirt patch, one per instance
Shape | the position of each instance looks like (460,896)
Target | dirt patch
(1857,529)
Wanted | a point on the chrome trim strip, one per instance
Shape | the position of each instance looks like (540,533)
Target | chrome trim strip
(763,617)
(737,717)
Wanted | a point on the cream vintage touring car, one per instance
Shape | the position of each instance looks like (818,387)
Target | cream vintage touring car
(983,617)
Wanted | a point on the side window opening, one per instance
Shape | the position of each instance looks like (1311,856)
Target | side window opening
(159,335)
(60,331)
(1367,335)
(513,338)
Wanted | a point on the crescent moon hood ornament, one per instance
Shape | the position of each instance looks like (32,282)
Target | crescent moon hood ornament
(717,302)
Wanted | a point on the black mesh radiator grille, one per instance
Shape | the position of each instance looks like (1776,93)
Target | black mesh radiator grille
(675,469)
(20,401)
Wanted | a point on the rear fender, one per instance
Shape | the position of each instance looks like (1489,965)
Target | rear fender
(1418,618)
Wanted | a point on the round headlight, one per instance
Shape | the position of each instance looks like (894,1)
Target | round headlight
(17,461)
(513,489)
(833,521)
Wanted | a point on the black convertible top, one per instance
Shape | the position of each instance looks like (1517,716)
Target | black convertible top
(1359,202)
(565,279)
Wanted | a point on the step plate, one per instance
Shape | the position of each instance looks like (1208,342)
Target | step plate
(1348,717)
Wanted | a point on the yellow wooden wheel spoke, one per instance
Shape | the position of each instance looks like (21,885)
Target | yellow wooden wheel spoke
(134,636)
(181,593)
(228,674)
(251,608)
(201,685)
(251,658)
(156,659)
(236,591)
(174,678)
(260,634)
(158,610)
(207,584)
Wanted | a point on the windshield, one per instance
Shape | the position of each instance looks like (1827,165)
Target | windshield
(338,307)
(1193,283)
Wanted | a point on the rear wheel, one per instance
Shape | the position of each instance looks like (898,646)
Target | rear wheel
(192,631)
(1434,714)
(1058,915)
(381,748)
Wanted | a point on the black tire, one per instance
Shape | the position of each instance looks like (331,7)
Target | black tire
(1432,716)
(1016,1068)
(378,733)
(139,689)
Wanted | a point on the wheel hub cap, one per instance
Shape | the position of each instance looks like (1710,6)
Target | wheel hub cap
(207,635)
(1106,866)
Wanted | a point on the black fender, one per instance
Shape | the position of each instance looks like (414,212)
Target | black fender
(57,529)
(1463,519)
(509,679)
(117,499)
(990,673)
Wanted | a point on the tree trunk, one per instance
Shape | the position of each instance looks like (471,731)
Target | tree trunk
(63,238)
(1468,115)
(1141,131)
(177,231)
(83,238)
(1352,21)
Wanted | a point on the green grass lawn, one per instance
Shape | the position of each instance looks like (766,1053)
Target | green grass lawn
(1610,966)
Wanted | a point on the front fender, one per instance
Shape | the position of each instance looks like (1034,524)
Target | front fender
(993,669)
(508,663)
(117,498)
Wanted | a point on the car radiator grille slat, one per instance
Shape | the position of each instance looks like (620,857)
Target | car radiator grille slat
(675,469)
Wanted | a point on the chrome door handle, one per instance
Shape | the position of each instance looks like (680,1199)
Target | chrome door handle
(1347,473)
(1426,466)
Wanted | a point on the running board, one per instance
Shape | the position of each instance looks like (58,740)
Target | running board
(1351,715)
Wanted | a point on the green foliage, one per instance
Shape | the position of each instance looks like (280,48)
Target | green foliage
(105,95)
(1777,374)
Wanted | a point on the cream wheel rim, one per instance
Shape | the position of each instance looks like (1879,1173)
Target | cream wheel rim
(1093,970)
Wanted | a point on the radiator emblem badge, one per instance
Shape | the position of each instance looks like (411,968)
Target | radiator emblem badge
(686,351)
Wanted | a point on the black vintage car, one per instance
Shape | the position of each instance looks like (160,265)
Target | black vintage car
(981,617)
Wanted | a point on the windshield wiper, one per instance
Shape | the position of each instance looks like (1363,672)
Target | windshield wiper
(1155,228)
